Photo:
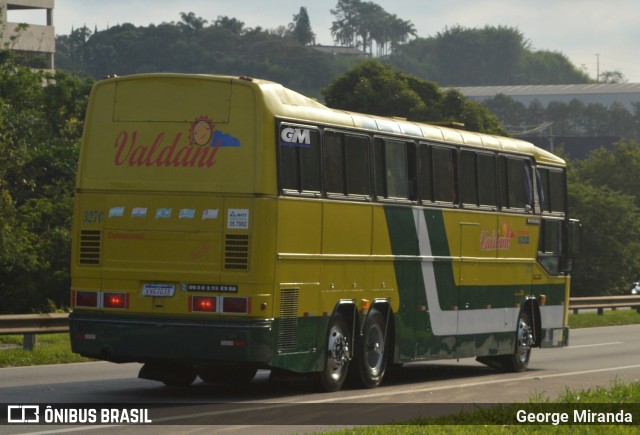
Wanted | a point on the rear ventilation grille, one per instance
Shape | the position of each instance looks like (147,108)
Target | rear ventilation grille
(288,330)
(90,242)
(236,252)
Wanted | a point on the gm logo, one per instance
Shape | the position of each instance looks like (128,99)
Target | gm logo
(295,137)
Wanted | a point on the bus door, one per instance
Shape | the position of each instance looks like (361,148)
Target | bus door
(477,253)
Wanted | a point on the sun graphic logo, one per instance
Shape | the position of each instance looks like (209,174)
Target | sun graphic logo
(201,131)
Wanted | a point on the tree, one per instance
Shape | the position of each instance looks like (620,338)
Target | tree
(40,129)
(378,89)
(612,77)
(191,24)
(301,28)
(360,24)
(460,56)
(605,195)
(231,24)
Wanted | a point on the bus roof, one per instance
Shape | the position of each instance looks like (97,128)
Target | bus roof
(290,104)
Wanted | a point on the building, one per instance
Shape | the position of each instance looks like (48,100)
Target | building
(36,39)
(577,147)
(602,93)
(339,50)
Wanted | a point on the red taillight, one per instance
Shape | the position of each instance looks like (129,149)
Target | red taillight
(114,300)
(204,304)
(235,305)
(86,299)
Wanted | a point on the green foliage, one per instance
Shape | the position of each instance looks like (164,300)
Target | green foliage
(301,28)
(360,24)
(460,56)
(603,194)
(40,128)
(608,318)
(374,88)
(224,47)
(50,349)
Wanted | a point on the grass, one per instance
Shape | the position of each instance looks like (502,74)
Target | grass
(501,419)
(609,318)
(50,349)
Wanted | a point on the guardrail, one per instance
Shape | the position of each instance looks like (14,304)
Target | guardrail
(29,325)
(602,302)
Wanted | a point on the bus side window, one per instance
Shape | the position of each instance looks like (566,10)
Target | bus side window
(395,173)
(299,160)
(346,164)
(487,180)
(557,189)
(425,173)
(516,188)
(357,165)
(444,185)
(333,164)
(468,178)
(552,188)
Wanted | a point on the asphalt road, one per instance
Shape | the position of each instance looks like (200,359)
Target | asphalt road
(595,357)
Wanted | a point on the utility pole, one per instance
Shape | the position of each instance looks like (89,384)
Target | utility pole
(597,67)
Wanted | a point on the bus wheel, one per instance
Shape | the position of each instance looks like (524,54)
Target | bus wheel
(338,354)
(519,361)
(372,358)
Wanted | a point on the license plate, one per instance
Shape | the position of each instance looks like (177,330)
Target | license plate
(158,290)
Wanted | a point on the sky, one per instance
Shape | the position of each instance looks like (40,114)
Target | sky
(595,35)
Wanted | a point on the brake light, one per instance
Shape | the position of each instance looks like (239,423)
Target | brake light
(235,305)
(86,299)
(115,300)
(203,304)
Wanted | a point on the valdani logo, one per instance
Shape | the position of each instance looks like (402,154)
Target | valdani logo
(203,144)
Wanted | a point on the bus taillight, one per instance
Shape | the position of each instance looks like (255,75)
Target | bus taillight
(86,299)
(114,300)
(235,305)
(204,304)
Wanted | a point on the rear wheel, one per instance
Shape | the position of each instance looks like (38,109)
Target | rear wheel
(372,358)
(338,354)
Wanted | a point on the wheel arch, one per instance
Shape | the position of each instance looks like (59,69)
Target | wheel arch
(531,306)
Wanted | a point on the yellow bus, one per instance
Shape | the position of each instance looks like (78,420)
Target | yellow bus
(227,224)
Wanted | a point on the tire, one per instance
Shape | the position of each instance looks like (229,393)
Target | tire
(519,360)
(337,356)
(372,355)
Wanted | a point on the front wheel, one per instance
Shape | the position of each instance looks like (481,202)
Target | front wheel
(519,360)
(338,354)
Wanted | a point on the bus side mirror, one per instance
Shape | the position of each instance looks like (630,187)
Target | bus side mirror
(573,232)
(574,238)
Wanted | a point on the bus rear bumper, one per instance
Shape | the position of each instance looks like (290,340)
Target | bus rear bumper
(196,341)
